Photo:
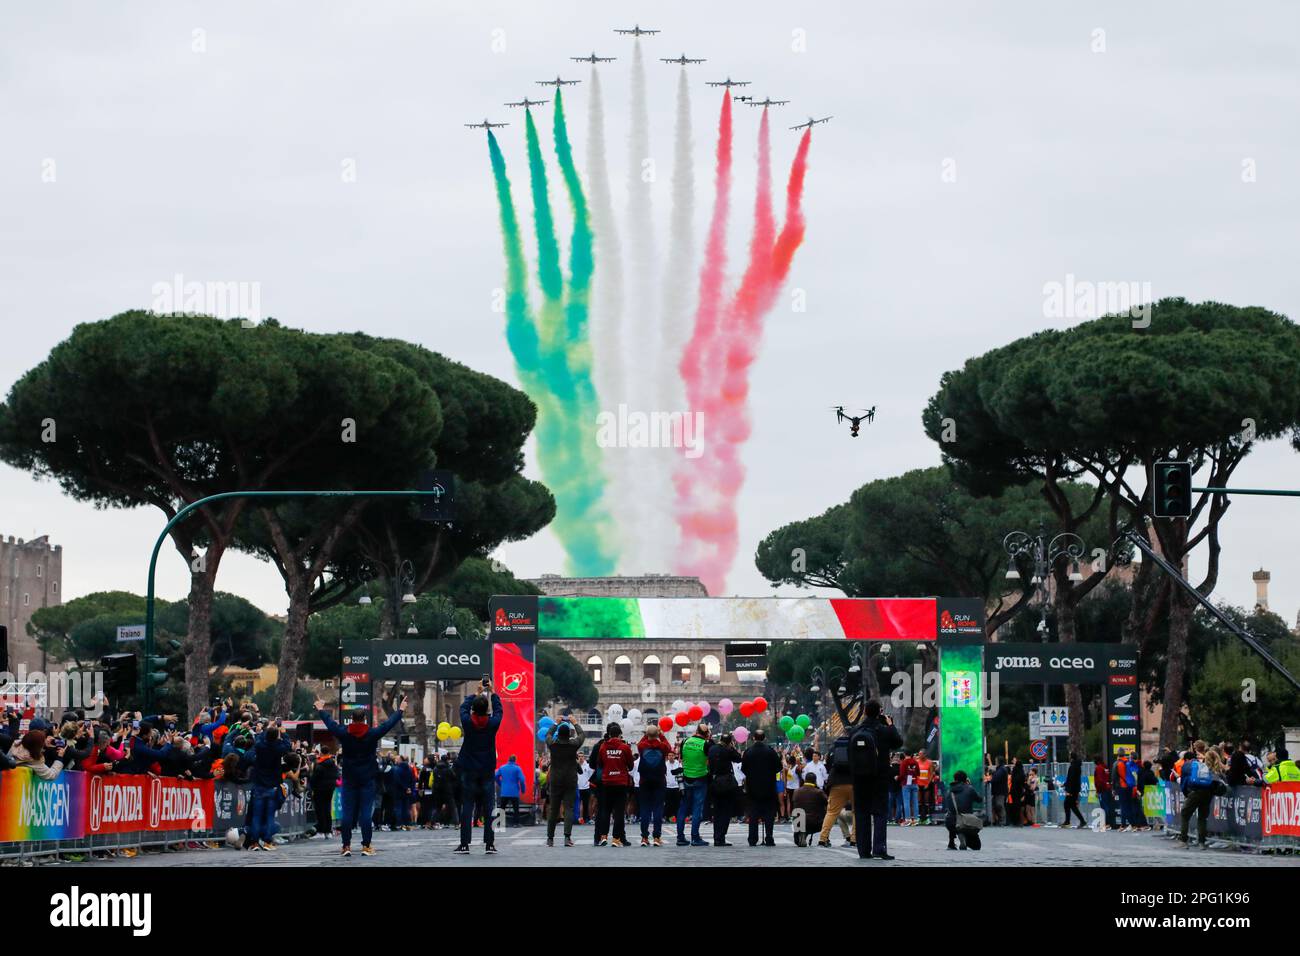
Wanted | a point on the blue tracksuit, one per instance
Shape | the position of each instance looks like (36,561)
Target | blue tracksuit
(357,761)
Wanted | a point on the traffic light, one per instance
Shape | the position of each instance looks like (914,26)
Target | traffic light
(158,670)
(119,676)
(1171,489)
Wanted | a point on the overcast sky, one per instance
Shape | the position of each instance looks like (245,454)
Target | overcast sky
(1105,140)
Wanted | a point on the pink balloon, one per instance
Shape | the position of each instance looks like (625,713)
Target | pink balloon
(725,706)
(704,706)
(741,734)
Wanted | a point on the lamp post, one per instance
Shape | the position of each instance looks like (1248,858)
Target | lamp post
(189,509)
(1045,554)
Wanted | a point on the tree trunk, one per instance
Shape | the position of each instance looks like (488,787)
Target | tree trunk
(1180,620)
(1065,633)
(198,637)
(292,648)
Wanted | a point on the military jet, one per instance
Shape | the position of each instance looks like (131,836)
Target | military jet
(636,31)
(683,59)
(557,82)
(526,103)
(767,102)
(728,82)
(485,125)
(593,58)
(811,123)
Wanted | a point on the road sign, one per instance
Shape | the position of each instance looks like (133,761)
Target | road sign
(1035,724)
(130,632)
(1038,749)
(1054,721)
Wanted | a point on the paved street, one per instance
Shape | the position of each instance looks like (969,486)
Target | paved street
(921,846)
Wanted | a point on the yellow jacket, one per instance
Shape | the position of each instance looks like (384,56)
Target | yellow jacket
(1284,771)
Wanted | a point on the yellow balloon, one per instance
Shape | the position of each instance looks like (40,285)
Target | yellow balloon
(443,725)
(455,733)
(443,733)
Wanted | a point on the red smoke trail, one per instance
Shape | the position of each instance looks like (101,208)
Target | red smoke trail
(693,366)
(710,528)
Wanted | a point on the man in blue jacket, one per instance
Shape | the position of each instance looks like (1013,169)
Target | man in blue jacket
(476,763)
(266,756)
(357,745)
(510,778)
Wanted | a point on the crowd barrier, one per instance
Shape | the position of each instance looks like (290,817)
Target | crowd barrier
(77,812)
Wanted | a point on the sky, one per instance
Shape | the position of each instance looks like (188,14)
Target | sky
(977,153)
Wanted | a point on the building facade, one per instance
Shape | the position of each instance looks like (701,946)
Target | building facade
(32,579)
(649,675)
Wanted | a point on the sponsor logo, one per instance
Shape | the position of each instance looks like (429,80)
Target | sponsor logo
(1124,731)
(113,803)
(1124,700)
(472,660)
(407,660)
(513,685)
(1283,811)
(1123,680)
(49,805)
(1016,662)
(1124,717)
(155,801)
(946,623)
(505,620)
(76,909)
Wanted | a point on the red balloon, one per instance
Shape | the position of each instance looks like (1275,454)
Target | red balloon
(760,704)
(665,724)
(696,712)
(746,709)
(682,718)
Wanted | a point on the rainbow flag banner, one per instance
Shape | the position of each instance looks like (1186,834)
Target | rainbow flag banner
(35,809)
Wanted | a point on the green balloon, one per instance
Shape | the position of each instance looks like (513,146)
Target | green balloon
(803,720)
(786,722)
(794,734)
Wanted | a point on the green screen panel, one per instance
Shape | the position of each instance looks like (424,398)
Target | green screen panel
(961,716)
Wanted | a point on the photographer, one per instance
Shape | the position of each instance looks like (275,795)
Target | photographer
(476,764)
(357,745)
(871,786)
(30,753)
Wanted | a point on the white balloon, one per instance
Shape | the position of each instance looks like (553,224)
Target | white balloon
(679,705)
(634,716)
(615,712)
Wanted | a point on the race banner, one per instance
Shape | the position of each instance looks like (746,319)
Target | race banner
(513,676)
(130,803)
(35,809)
(1282,809)
(231,802)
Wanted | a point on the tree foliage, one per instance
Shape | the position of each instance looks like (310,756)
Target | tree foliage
(568,680)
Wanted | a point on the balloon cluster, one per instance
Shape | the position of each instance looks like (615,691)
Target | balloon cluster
(796,728)
(685,713)
(751,707)
(448,731)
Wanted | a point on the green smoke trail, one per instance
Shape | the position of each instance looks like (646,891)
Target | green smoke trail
(521,329)
(571,465)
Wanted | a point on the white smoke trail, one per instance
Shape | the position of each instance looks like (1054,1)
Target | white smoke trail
(641,341)
(607,332)
(668,394)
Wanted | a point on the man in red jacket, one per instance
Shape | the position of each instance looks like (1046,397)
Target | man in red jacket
(1101,780)
(615,778)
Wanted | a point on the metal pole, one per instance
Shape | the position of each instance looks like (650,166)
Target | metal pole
(183,513)
(1251,491)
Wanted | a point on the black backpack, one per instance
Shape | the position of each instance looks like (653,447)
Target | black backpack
(653,767)
(863,754)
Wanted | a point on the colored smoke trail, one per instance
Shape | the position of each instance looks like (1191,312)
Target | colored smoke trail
(640,326)
(570,465)
(667,394)
(708,518)
(607,294)
(694,366)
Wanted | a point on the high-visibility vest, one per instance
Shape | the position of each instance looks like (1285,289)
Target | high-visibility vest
(1286,771)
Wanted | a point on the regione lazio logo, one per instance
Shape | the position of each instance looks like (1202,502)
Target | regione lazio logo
(961,689)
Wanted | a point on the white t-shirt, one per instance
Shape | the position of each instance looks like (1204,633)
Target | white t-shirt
(817,767)
(670,765)
(584,777)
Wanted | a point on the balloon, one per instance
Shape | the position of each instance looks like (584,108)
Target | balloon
(443,731)
(454,733)
(704,706)
(760,704)
(786,722)
(695,712)
(541,734)
(634,716)
(443,725)
(803,720)
(795,734)
(615,712)
(546,722)
(665,724)
(741,734)
(746,709)
(725,706)
(682,718)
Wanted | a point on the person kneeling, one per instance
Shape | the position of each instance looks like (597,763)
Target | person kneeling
(963,824)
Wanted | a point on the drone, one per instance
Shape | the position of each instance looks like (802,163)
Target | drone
(855,421)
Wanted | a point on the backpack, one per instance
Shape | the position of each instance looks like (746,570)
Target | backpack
(653,767)
(1200,777)
(863,754)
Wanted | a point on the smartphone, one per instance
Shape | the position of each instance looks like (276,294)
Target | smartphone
(487,678)
(135,725)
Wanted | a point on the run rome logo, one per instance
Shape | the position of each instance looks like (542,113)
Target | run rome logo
(76,909)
